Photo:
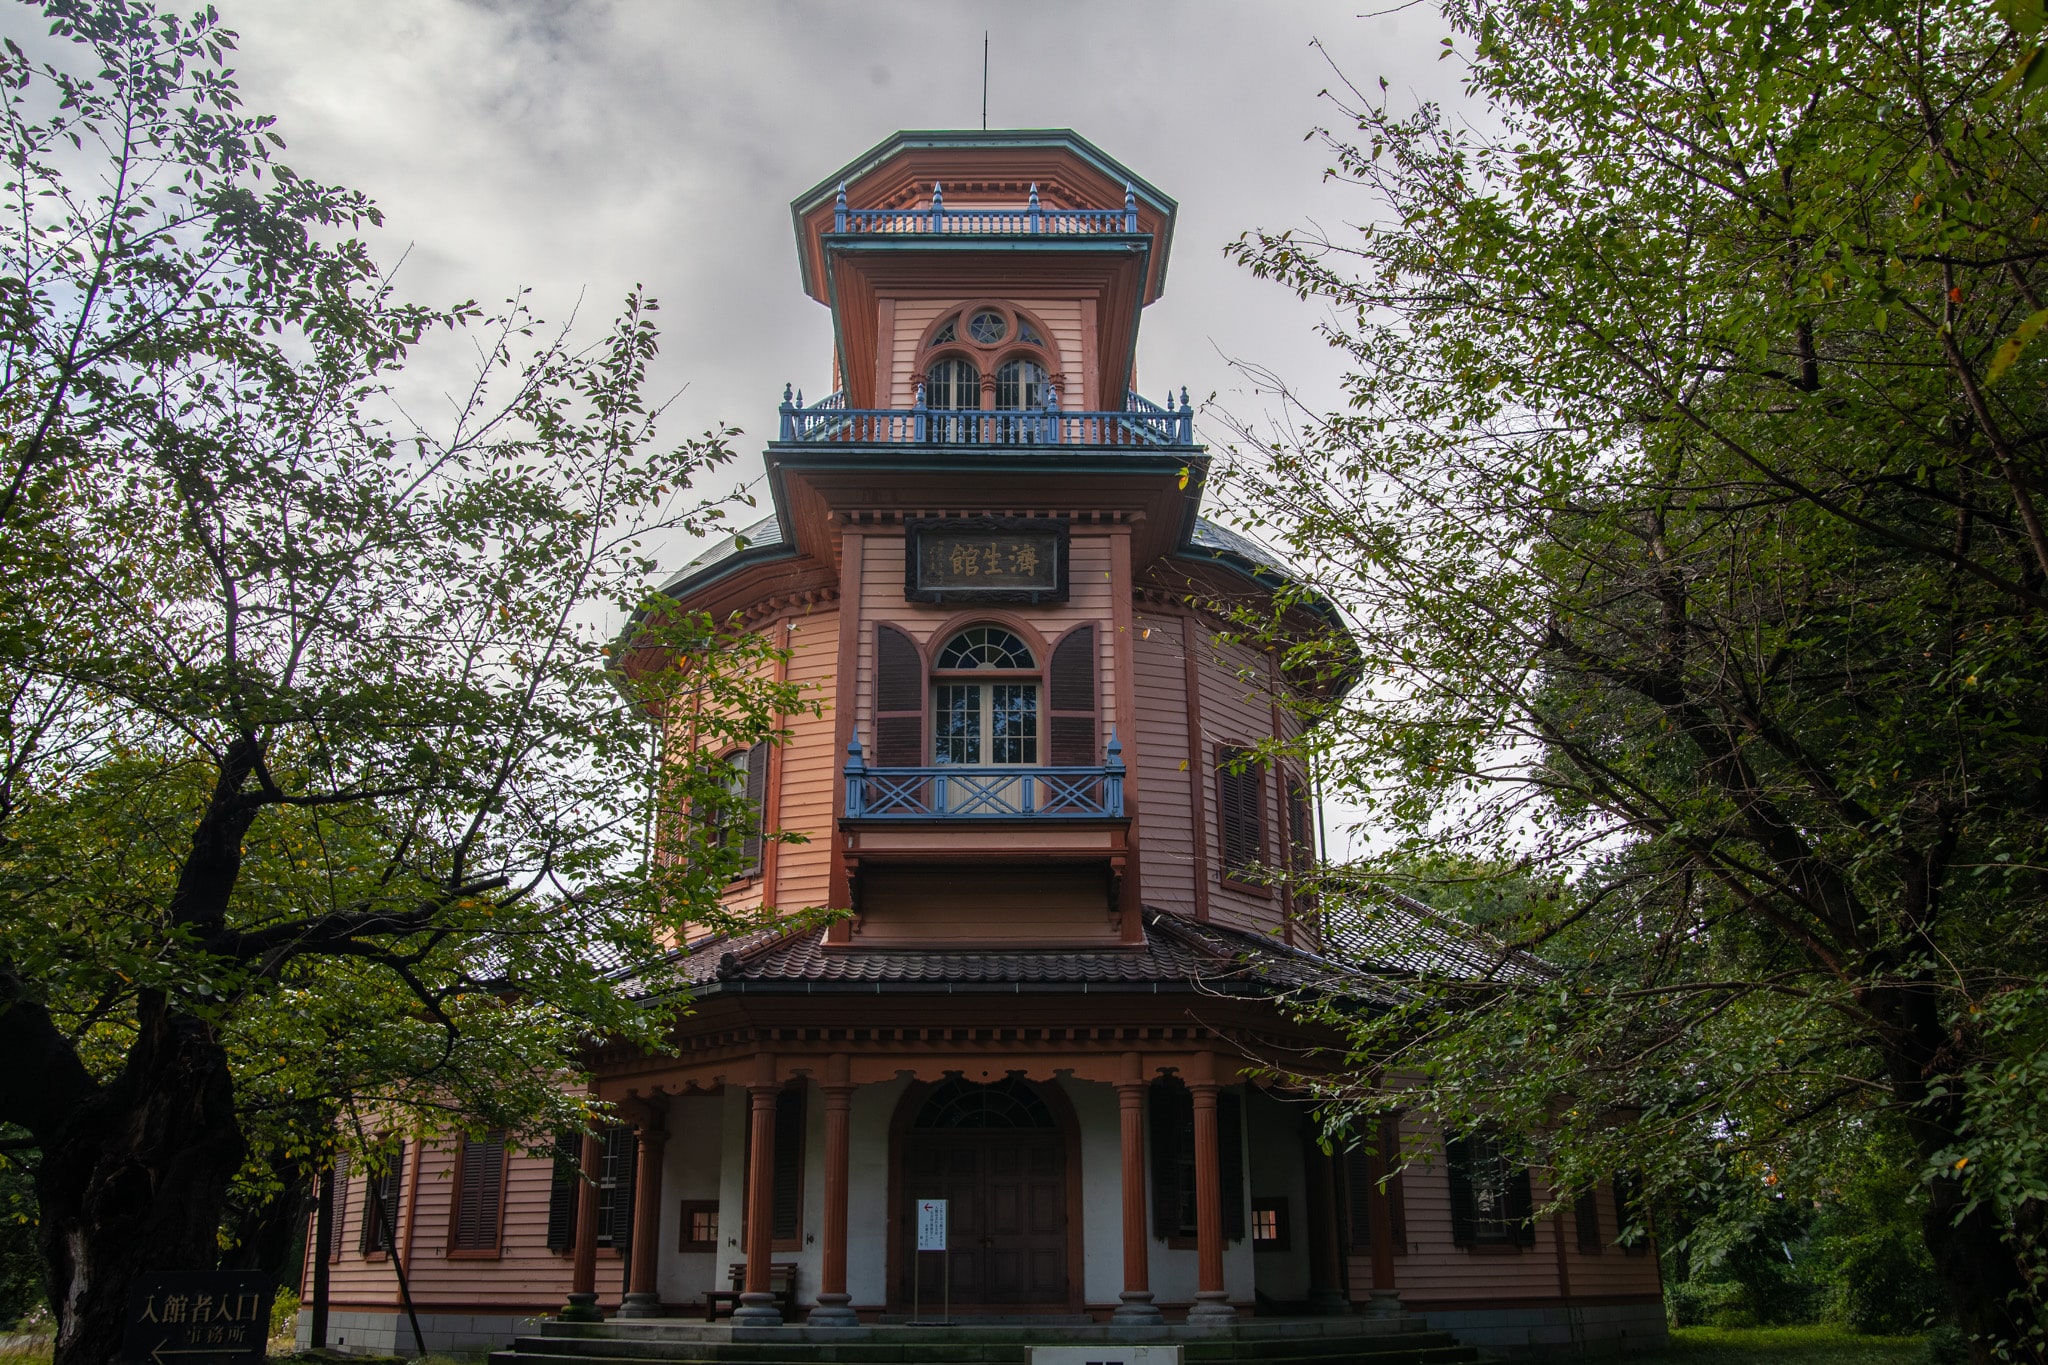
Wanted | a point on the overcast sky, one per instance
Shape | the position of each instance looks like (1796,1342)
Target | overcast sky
(579,148)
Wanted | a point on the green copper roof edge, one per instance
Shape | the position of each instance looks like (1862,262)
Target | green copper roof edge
(906,139)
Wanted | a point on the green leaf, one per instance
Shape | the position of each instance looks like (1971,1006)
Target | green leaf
(2014,344)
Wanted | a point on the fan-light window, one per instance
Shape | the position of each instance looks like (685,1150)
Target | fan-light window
(980,724)
(988,326)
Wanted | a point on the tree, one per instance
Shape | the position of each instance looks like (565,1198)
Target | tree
(1686,510)
(320,792)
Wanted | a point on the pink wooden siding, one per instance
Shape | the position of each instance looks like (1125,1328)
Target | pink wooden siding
(881,599)
(525,1277)
(810,767)
(1166,823)
(914,317)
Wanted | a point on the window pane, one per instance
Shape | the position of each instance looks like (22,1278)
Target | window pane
(952,384)
(1489,1190)
(1020,384)
(984,647)
(1013,722)
(956,728)
(987,326)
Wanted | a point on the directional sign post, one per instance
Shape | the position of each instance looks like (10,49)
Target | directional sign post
(210,1317)
(931,1236)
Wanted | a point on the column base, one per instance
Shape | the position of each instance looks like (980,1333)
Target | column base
(1212,1307)
(1385,1303)
(757,1310)
(832,1311)
(1137,1309)
(1329,1303)
(580,1308)
(639,1304)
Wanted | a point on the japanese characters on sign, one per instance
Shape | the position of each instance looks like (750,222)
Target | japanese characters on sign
(198,1318)
(931,1225)
(987,560)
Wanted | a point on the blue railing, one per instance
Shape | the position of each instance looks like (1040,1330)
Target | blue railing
(1006,793)
(1139,424)
(1031,220)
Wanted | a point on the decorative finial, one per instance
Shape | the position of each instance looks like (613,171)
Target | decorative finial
(799,397)
(1034,194)
(839,209)
(1184,398)
(785,395)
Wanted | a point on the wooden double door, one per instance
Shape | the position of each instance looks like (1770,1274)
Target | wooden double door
(1006,1194)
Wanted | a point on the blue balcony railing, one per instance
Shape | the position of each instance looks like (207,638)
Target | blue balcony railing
(997,793)
(1141,423)
(1031,220)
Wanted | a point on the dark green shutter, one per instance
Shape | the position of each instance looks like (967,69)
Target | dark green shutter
(1230,1157)
(789,1164)
(380,1222)
(1173,1159)
(615,1189)
(562,1190)
(1520,1204)
(1458,1167)
(757,808)
(1586,1214)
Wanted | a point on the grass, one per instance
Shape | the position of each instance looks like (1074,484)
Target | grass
(1821,1345)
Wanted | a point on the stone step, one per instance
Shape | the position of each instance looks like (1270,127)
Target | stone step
(1304,1343)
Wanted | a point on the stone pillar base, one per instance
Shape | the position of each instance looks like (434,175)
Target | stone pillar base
(1212,1308)
(580,1308)
(1328,1303)
(1385,1303)
(1137,1309)
(639,1304)
(832,1311)
(757,1310)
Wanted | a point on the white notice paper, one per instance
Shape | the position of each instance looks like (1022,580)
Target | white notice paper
(931,1225)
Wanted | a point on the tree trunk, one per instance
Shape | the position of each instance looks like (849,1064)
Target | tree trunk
(133,1182)
(1980,1266)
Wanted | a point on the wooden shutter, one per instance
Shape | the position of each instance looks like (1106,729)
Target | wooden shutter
(380,1205)
(789,1164)
(899,701)
(757,796)
(1358,1189)
(615,1187)
(1628,1192)
(480,1194)
(1520,1207)
(1458,1167)
(1586,1214)
(1073,699)
(563,1186)
(1241,809)
(1173,1160)
(1301,839)
(1230,1160)
(339,1214)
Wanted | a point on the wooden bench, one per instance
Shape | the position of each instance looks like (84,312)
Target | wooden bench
(781,1283)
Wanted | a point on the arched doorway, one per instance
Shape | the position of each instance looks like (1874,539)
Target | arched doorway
(998,1153)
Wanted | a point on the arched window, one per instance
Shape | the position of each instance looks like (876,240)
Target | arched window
(986,339)
(984,723)
(1020,384)
(1008,1103)
(952,383)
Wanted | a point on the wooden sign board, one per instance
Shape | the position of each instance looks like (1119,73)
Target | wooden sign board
(986,559)
(204,1317)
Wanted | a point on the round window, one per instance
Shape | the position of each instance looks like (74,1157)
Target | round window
(987,327)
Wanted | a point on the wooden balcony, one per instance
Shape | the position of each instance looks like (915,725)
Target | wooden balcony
(1009,793)
(1140,423)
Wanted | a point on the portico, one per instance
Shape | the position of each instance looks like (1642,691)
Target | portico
(815,1137)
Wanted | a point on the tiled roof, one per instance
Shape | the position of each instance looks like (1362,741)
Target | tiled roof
(765,534)
(1178,954)
(1383,931)
(1207,535)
